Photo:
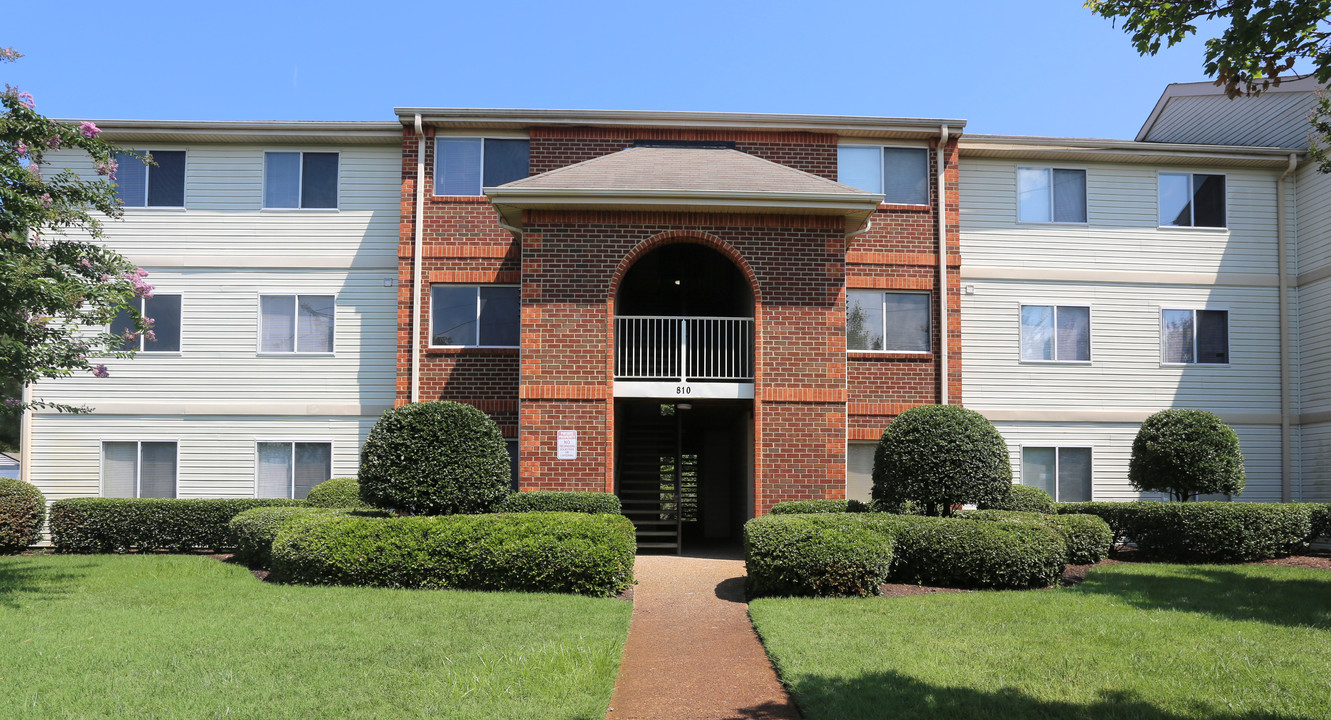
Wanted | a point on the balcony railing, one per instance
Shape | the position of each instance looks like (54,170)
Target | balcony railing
(684,349)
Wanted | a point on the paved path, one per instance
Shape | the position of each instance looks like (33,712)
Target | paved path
(691,652)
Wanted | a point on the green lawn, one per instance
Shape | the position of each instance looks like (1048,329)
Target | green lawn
(189,637)
(1133,641)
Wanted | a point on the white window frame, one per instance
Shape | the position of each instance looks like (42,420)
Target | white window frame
(480,176)
(300,183)
(930,312)
(291,447)
(1090,326)
(1021,462)
(1086,195)
(138,462)
(258,334)
(147,180)
(478,286)
(181,320)
(1193,211)
(929,160)
(1229,336)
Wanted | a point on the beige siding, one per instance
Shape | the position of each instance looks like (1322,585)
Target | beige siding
(1314,218)
(1276,119)
(1315,454)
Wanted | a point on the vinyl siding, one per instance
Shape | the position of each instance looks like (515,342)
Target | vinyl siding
(1314,217)
(1315,455)
(1277,119)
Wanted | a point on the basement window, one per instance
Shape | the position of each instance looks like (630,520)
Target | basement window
(1063,472)
(134,469)
(290,469)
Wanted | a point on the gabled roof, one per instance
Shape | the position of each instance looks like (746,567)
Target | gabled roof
(1200,113)
(687,180)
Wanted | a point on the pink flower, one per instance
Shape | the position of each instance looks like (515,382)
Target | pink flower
(25,99)
(100,371)
(46,199)
(53,142)
(108,168)
(9,54)
(89,130)
(85,264)
(21,149)
(151,336)
(141,288)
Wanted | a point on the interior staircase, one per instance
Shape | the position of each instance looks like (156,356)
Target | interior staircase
(646,480)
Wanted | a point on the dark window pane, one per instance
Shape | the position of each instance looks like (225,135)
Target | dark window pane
(453,315)
(906,176)
(166,179)
(1175,200)
(281,180)
(1070,196)
(512,447)
(131,180)
(499,315)
(1212,336)
(1208,200)
(457,168)
(1074,475)
(318,187)
(314,464)
(1037,468)
(864,320)
(157,472)
(505,161)
(314,323)
(123,323)
(906,321)
(165,313)
(1074,333)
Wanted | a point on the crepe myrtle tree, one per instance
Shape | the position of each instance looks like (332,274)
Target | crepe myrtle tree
(61,288)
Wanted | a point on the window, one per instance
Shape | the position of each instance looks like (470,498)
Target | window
(900,174)
(296,323)
(1194,336)
(290,469)
(164,311)
(889,321)
(161,184)
(462,166)
(1051,195)
(1192,200)
(859,470)
(136,469)
(300,179)
(512,447)
(1063,472)
(474,315)
(1055,333)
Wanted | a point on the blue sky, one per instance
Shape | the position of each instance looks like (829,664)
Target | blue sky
(1037,68)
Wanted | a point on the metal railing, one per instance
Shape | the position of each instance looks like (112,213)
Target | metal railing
(683,349)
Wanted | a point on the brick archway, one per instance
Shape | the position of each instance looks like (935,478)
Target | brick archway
(673,237)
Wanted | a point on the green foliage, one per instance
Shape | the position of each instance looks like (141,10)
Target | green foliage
(531,552)
(804,507)
(1022,498)
(964,553)
(434,458)
(1205,531)
(1088,538)
(1117,515)
(22,512)
(821,554)
(1186,453)
(101,525)
(556,501)
(1319,516)
(336,493)
(940,456)
(60,285)
(252,531)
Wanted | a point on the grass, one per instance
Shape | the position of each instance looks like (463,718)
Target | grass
(1134,641)
(163,636)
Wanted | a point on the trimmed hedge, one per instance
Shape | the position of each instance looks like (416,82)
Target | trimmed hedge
(1088,538)
(805,507)
(939,456)
(556,501)
(965,553)
(533,552)
(252,532)
(1206,531)
(1319,514)
(1116,514)
(101,525)
(1023,498)
(822,553)
(22,512)
(337,493)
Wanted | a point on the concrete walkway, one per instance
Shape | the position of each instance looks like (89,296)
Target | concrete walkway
(691,652)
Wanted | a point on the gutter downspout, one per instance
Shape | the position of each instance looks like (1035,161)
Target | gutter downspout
(25,438)
(416,263)
(1282,243)
(868,225)
(942,268)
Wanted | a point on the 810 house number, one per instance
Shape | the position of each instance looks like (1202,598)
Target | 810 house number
(683,390)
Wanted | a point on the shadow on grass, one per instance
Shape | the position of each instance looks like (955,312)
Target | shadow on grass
(889,694)
(1222,593)
(35,581)
(766,711)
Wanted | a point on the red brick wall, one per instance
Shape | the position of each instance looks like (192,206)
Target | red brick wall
(553,148)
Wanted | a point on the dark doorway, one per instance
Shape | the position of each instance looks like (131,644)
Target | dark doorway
(684,279)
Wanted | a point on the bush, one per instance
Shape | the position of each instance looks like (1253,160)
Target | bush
(1115,514)
(1319,514)
(553,501)
(252,532)
(1023,498)
(804,507)
(965,553)
(1088,538)
(434,458)
(1205,531)
(337,493)
(534,552)
(821,554)
(99,525)
(1186,453)
(22,512)
(940,456)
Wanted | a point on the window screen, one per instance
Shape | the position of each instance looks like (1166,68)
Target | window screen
(161,184)
(859,471)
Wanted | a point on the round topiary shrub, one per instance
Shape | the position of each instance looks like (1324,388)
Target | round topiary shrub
(1186,453)
(336,493)
(22,512)
(434,458)
(940,456)
(1023,498)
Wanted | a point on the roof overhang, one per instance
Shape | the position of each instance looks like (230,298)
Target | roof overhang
(259,131)
(1051,149)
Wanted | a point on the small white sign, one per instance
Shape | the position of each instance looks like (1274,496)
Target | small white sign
(566,446)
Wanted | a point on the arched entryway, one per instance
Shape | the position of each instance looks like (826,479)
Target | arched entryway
(684,370)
